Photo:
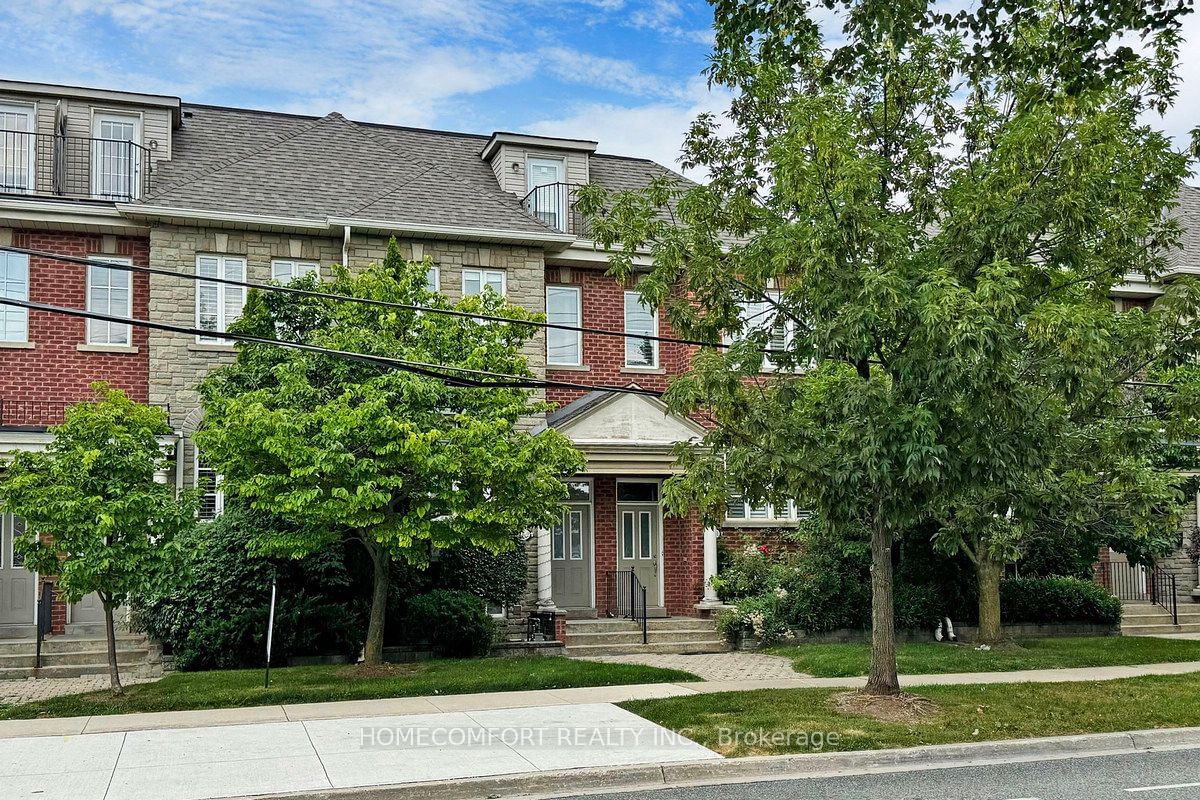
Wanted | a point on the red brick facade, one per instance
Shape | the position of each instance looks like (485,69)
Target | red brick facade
(54,370)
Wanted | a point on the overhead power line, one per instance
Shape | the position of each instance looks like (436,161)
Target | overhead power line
(310,293)
(437,371)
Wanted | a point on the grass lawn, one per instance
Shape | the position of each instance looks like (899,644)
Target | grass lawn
(234,688)
(965,714)
(848,660)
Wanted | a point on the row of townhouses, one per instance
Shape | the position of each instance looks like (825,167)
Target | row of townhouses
(250,195)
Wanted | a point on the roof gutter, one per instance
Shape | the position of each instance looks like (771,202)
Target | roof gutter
(550,240)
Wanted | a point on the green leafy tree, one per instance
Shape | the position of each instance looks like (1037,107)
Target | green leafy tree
(95,514)
(404,462)
(938,236)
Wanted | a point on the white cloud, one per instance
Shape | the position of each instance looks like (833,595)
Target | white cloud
(614,74)
(653,130)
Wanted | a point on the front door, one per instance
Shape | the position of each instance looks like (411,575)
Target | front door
(639,535)
(88,611)
(18,586)
(571,559)
(116,164)
(548,192)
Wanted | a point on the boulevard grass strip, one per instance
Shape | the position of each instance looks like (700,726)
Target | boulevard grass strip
(240,688)
(776,722)
(933,658)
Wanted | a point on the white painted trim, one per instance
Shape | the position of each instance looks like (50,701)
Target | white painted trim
(308,265)
(222,288)
(87,302)
(578,290)
(625,328)
(550,239)
(219,502)
(25,343)
(31,107)
(86,93)
(462,286)
(529,140)
(98,114)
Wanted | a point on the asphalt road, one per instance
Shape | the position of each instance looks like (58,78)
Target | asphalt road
(1163,775)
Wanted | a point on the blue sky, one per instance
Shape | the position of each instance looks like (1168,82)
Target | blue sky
(624,72)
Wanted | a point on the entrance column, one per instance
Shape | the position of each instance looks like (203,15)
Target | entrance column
(545,601)
(710,568)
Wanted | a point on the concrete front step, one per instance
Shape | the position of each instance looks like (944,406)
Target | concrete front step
(625,637)
(1153,630)
(76,671)
(658,648)
(62,644)
(660,624)
(75,658)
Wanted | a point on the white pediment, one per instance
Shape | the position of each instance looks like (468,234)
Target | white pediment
(628,419)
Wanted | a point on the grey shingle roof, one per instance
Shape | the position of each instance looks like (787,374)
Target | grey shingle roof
(1188,214)
(251,162)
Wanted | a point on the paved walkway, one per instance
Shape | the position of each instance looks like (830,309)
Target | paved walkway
(29,690)
(714,666)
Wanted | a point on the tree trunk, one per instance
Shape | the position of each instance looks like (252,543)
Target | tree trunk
(883,678)
(114,677)
(381,561)
(987,573)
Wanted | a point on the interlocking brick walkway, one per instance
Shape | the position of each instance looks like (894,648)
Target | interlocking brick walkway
(28,690)
(715,666)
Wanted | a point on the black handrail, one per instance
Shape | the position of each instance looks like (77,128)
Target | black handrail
(1155,585)
(72,166)
(45,618)
(629,599)
(554,205)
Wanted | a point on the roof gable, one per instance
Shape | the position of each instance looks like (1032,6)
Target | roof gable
(620,418)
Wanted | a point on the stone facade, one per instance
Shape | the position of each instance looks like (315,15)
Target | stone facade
(178,362)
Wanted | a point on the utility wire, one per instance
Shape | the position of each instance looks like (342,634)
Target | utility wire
(506,381)
(268,287)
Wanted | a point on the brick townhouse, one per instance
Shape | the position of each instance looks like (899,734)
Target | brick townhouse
(221,192)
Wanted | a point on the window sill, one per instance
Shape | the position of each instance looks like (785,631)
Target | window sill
(16,345)
(106,348)
(761,523)
(204,347)
(568,368)
(644,370)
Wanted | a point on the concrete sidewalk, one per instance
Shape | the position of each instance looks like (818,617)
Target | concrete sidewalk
(433,704)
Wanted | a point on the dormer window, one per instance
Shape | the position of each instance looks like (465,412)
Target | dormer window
(547,190)
(116,156)
(17,147)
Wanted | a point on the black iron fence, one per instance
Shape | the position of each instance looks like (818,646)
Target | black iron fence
(628,598)
(72,166)
(45,618)
(1137,583)
(554,204)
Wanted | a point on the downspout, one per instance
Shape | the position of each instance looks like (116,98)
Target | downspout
(179,462)
(345,245)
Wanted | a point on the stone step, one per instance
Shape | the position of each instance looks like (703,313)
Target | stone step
(1151,630)
(75,658)
(575,638)
(662,648)
(653,624)
(76,671)
(59,644)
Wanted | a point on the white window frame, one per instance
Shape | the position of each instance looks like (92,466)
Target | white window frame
(789,326)
(483,275)
(93,325)
(577,291)
(31,144)
(638,334)
(295,268)
(559,221)
(218,492)
(222,290)
(435,273)
(18,313)
(99,116)
(764,515)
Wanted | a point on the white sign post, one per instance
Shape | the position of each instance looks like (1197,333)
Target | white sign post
(270,633)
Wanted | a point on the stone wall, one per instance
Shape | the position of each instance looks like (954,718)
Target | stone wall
(177,362)
(1180,563)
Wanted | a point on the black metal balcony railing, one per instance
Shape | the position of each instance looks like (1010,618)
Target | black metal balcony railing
(72,166)
(554,204)
(37,415)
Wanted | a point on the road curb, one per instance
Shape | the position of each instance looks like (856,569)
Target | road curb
(764,768)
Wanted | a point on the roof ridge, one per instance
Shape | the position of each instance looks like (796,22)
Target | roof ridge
(220,165)
(433,165)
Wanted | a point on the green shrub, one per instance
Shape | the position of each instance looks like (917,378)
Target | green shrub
(1053,600)
(212,613)
(745,572)
(454,622)
(498,578)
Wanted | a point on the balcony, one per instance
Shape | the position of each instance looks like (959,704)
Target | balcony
(554,205)
(37,415)
(72,167)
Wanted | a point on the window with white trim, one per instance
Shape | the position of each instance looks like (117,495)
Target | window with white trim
(758,315)
(116,155)
(218,304)
(433,280)
(564,306)
(640,320)
(17,147)
(212,498)
(14,284)
(285,270)
(737,510)
(109,291)
(474,281)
